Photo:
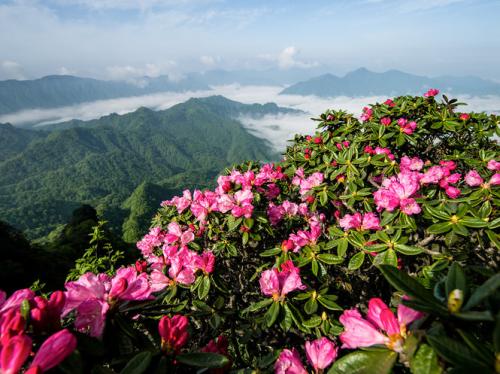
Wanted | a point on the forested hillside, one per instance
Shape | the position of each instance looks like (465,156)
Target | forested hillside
(45,175)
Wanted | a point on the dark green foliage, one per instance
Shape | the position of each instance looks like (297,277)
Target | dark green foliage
(102,162)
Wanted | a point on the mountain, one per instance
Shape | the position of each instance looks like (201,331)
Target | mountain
(44,177)
(61,90)
(363,82)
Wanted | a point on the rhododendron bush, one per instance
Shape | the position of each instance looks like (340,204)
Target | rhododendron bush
(372,247)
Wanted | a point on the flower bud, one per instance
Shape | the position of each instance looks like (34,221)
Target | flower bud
(455,300)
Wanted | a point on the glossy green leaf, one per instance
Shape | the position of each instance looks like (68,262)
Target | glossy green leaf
(356,261)
(365,362)
(203,360)
(425,361)
(138,364)
(272,313)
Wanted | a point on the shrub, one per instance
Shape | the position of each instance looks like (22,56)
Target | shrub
(281,262)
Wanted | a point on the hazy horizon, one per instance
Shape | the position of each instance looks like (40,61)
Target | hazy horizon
(126,39)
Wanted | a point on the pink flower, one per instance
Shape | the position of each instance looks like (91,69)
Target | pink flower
(472,178)
(407,127)
(181,203)
(359,332)
(321,353)
(54,350)
(176,235)
(386,121)
(289,363)
(127,284)
(351,221)
(367,114)
(16,299)
(433,175)
(495,180)
(411,164)
(279,283)
(174,332)
(390,103)
(368,221)
(14,353)
(150,241)
(46,314)
(464,116)
(206,262)
(431,93)
(398,191)
(183,267)
(493,165)
(452,192)
(384,151)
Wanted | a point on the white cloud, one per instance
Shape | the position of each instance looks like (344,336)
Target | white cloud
(275,128)
(63,70)
(288,59)
(209,61)
(135,73)
(11,70)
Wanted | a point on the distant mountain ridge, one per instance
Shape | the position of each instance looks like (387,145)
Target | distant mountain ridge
(62,90)
(363,82)
(44,177)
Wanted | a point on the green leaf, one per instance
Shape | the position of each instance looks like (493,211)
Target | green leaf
(455,352)
(270,252)
(356,261)
(272,313)
(455,279)
(342,247)
(258,305)
(328,303)
(440,228)
(315,321)
(365,362)
(403,282)
(330,259)
(138,364)
(233,223)
(483,291)
(437,213)
(204,287)
(473,222)
(407,249)
(203,359)
(311,306)
(388,257)
(425,361)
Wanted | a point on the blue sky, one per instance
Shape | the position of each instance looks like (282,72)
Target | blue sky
(122,39)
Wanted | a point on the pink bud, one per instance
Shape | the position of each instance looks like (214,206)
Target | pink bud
(174,332)
(386,121)
(54,350)
(320,353)
(464,116)
(13,354)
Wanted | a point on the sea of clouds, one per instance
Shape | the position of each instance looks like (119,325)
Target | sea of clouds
(277,129)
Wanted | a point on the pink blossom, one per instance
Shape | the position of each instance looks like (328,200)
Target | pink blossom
(367,114)
(370,222)
(464,116)
(150,241)
(181,203)
(495,179)
(289,363)
(359,332)
(279,283)
(320,353)
(407,127)
(390,103)
(472,178)
(409,206)
(386,121)
(272,191)
(46,314)
(127,284)
(206,262)
(174,332)
(176,235)
(183,267)
(203,204)
(493,165)
(431,93)
(16,299)
(54,350)
(448,164)
(433,175)
(243,204)
(275,213)
(351,221)
(223,184)
(411,164)
(384,151)
(452,192)
(398,191)
(14,353)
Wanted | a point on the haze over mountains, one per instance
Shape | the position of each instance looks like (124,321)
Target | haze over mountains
(60,91)
(122,164)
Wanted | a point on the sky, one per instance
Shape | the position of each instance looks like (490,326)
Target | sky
(125,39)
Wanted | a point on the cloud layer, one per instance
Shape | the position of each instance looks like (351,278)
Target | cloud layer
(278,129)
